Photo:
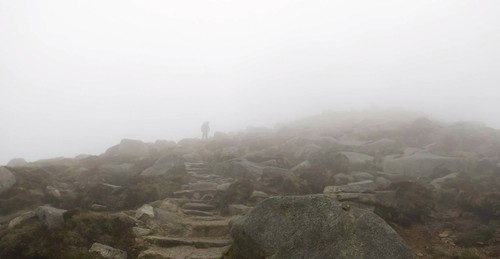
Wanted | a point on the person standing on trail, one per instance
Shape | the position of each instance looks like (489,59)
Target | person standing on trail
(205,129)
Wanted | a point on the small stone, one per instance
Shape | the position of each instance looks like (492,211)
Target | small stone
(419,254)
(107,251)
(169,206)
(198,206)
(53,192)
(98,207)
(139,232)
(147,210)
(238,209)
(444,234)
(20,219)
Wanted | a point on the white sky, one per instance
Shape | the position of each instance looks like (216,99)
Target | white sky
(78,76)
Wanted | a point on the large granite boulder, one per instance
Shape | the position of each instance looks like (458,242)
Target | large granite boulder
(165,165)
(276,180)
(314,226)
(129,148)
(238,192)
(421,163)
(7,179)
(358,160)
(239,168)
(17,162)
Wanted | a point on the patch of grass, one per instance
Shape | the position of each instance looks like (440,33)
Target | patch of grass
(435,253)
(471,238)
(32,240)
(467,254)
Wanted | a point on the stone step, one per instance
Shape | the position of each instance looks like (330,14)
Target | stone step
(198,206)
(211,218)
(197,213)
(180,241)
(182,201)
(199,176)
(210,228)
(193,194)
(200,185)
(183,252)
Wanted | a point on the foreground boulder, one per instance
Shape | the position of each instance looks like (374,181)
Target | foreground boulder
(314,226)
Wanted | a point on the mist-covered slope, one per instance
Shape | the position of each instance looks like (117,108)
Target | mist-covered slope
(436,183)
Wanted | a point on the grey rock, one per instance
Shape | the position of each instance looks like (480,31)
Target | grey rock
(271,162)
(259,194)
(238,209)
(358,187)
(145,210)
(129,148)
(198,206)
(17,162)
(139,232)
(117,174)
(201,186)
(382,183)
(378,145)
(165,165)
(239,168)
(98,207)
(314,226)
(107,252)
(223,187)
(192,157)
(357,160)
(437,183)
(302,166)
(20,219)
(51,217)
(179,241)
(197,213)
(342,179)
(420,163)
(169,206)
(307,150)
(7,179)
(53,192)
(361,176)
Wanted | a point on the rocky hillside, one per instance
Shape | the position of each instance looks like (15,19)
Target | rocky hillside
(336,185)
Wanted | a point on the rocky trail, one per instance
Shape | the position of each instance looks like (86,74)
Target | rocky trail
(207,232)
(331,186)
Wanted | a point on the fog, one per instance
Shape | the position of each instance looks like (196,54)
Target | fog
(78,76)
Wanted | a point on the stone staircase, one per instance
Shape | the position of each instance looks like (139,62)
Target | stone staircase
(207,235)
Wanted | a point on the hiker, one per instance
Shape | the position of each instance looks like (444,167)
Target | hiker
(205,129)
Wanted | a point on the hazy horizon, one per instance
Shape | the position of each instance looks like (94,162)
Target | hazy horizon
(77,77)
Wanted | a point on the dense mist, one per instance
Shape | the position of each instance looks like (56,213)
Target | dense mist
(77,77)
